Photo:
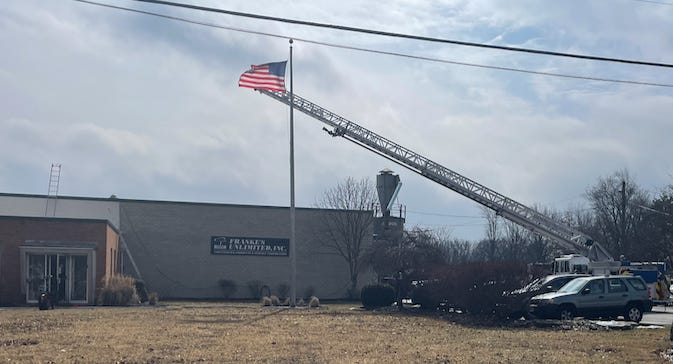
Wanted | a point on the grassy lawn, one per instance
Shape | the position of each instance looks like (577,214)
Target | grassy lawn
(240,332)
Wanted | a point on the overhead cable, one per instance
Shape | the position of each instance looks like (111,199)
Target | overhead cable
(654,2)
(407,36)
(361,49)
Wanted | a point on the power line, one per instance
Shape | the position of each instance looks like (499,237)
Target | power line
(452,225)
(396,54)
(654,2)
(407,36)
(444,215)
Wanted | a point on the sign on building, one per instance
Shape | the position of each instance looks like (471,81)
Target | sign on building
(228,245)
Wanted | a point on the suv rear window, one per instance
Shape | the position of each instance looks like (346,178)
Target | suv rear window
(637,284)
(615,285)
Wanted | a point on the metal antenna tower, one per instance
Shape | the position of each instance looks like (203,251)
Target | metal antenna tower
(52,192)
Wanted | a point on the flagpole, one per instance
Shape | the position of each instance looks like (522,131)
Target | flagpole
(293,243)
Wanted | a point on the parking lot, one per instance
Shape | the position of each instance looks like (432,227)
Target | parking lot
(660,315)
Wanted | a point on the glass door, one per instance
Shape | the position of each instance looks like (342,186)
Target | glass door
(65,277)
(37,273)
(56,277)
(78,281)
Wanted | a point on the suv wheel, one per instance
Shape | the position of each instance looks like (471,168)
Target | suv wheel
(633,313)
(566,312)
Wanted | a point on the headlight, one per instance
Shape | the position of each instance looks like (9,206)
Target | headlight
(541,302)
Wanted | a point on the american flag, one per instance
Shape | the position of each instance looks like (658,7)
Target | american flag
(268,76)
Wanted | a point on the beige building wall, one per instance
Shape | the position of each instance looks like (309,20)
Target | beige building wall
(170,243)
(67,207)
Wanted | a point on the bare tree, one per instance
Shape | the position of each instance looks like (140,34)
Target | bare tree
(488,249)
(423,249)
(659,222)
(457,251)
(617,202)
(347,223)
(515,242)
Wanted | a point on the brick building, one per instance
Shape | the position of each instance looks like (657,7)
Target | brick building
(64,256)
(179,249)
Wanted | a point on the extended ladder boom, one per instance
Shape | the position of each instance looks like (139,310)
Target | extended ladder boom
(566,236)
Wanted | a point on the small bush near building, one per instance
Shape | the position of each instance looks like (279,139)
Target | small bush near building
(153,299)
(228,287)
(266,301)
(275,301)
(266,291)
(118,291)
(283,290)
(377,295)
(314,302)
(255,289)
(309,292)
(141,290)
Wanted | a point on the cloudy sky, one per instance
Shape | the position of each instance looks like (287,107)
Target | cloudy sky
(149,108)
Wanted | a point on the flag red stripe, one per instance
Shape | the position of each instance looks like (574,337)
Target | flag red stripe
(260,77)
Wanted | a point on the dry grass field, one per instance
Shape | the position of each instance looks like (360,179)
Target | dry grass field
(179,332)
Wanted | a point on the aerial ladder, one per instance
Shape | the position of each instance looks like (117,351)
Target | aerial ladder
(570,239)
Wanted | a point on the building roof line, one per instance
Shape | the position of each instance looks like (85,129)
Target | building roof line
(127,200)
(52,218)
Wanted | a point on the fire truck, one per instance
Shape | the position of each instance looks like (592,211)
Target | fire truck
(585,254)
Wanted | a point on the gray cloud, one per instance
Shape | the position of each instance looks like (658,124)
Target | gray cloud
(148,108)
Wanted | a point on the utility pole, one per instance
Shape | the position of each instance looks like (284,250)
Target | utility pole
(293,237)
(622,218)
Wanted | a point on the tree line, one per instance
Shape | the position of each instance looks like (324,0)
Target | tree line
(629,221)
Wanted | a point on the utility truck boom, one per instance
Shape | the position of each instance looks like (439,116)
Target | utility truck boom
(570,239)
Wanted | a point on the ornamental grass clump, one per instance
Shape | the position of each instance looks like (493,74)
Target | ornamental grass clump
(118,290)
(153,299)
(255,289)
(283,290)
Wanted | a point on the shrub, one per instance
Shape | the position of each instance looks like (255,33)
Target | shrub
(228,287)
(474,287)
(283,290)
(314,302)
(266,301)
(353,293)
(275,301)
(118,290)
(426,296)
(153,298)
(377,295)
(265,291)
(255,288)
(141,290)
(309,291)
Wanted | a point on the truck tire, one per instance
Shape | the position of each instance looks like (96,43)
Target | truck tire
(633,313)
(566,312)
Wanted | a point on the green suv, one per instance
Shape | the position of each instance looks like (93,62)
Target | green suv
(598,296)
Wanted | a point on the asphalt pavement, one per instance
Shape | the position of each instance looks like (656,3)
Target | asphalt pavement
(660,315)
